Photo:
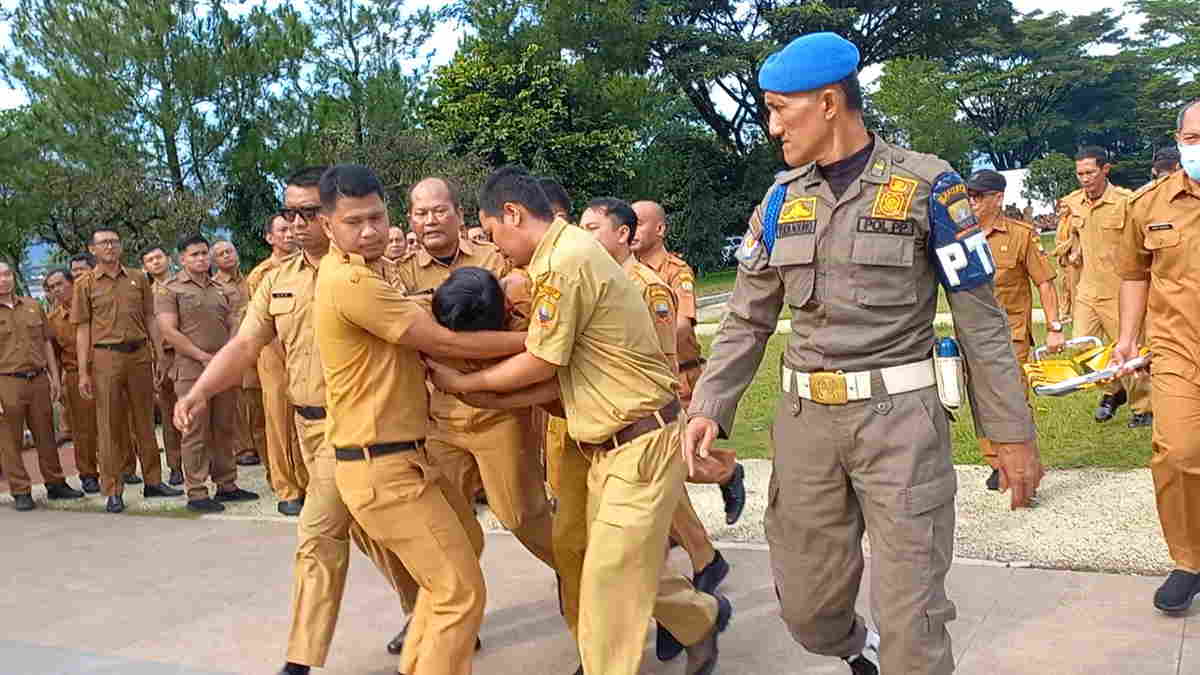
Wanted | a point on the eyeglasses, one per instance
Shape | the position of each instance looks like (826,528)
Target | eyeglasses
(113,243)
(307,213)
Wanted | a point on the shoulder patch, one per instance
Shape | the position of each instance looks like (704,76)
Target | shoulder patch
(545,303)
(893,200)
(958,247)
(660,302)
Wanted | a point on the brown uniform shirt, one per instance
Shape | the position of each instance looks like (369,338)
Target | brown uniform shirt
(205,312)
(679,276)
(1162,246)
(859,276)
(250,380)
(1099,225)
(119,307)
(281,308)
(1020,259)
(62,337)
(23,335)
(661,303)
(239,293)
(422,274)
(376,388)
(161,346)
(591,321)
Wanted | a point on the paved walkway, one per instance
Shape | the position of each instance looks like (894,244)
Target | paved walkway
(93,593)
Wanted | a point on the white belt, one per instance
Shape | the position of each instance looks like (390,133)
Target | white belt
(839,388)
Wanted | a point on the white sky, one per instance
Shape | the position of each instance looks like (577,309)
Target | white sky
(445,40)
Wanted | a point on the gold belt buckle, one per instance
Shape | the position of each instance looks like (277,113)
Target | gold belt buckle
(828,388)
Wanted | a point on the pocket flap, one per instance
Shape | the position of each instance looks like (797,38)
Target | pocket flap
(883,249)
(1158,239)
(794,250)
(930,495)
(282,305)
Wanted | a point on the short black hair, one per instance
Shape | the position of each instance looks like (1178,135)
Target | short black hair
(151,249)
(191,240)
(103,228)
(1092,152)
(84,257)
(556,193)
(309,176)
(66,272)
(513,184)
(619,210)
(470,300)
(348,180)
(269,225)
(1167,154)
(852,90)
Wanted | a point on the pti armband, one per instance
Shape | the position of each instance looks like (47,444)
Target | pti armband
(957,245)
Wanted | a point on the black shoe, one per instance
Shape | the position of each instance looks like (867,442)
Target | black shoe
(702,656)
(290,668)
(176,477)
(205,505)
(1176,593)
(116,504)
(666,647)
(1139,420)
(580,670)
(293,507)
(1109,404)
(160,490)
(707,579)
(133,479)
(478,644)
(23,502)
(867,661)
(248,459)
(236,495)
(397,643)
(993,481)
(62,491)
(90,484)
(734,494)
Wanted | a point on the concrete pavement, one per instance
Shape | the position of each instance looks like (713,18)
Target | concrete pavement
(93,593)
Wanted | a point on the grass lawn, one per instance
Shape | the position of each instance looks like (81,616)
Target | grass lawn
(1068,436)
(716,282)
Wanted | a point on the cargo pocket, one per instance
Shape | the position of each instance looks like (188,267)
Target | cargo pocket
(883,277)
(624,501)
(793,258)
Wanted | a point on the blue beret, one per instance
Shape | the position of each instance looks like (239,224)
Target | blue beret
(808,62)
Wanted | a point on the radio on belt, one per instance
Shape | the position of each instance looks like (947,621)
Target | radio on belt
(948,367)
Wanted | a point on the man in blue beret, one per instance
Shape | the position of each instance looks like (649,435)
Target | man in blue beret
(855,238)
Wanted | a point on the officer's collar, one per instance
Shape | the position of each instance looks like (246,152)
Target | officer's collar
(97,271)
(656,258)
(185,277)
(549,239)
(878,169)
(349,258)
(465,247)
(1179,183)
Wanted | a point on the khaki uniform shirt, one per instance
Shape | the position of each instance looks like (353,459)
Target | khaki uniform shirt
(1099,225)
(661,303)
(859,276)
(1162,246)
(422,274)
(205,317)
(591,321)
(162,349)
(23,335)
(679,276)
(239,293)
(375,387)
(62,337)
(1020,259)
(119,307)
(282,309)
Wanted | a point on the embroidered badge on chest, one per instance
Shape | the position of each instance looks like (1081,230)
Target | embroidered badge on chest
(894,199)
(799,210)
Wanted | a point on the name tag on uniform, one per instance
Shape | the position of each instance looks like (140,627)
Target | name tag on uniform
(793,229)
(1158,227)
(905,228)
(284,294)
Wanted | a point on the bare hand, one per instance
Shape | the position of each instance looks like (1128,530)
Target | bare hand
(1021,470)
(1055,342)
(1122,353)
(206,358)
(85,387)
(698,439)
(444,377)
(186,410)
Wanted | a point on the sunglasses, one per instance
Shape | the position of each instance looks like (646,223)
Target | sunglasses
(307,213)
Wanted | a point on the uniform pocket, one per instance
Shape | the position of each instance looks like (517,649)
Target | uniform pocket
(793,257)
(279,306)
(1167,253)
(884,276)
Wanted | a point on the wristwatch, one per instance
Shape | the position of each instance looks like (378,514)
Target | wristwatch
(1056,327)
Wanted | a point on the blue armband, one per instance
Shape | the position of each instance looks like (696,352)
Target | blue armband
(958,248)
(770,220)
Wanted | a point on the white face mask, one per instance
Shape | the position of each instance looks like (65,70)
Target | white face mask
(1189,157)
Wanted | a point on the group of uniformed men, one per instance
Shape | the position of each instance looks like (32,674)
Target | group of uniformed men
(400,421)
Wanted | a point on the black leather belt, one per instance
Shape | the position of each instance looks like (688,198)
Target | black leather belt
(665,415)
(694,363)
(123,347)
(354,454)
(311,412)
(26,374)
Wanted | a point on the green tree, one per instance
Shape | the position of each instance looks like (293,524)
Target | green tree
(915,99)
(526,112)
(1050,178)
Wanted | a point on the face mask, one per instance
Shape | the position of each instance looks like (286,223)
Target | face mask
(1189,157)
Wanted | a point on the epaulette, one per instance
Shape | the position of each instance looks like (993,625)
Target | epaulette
(1020,223)
(1147,188)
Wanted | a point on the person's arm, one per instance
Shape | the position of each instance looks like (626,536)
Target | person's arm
(1037,266)
(512,374)
(1046,291)
(81,316)
(152,328)
(168,324)
(52,366)
(1133,266)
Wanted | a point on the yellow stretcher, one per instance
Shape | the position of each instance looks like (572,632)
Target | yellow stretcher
(1082,365)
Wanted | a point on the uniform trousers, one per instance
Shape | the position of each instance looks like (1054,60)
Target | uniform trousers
(1175,464)
(881,466)
(251,428)
(164,391)
(27,402)
(208,444)
(1099,318)
(403,504)
(287,467)
(82,413)
(324,532)
(124,389)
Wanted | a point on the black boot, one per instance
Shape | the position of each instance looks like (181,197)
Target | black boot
(1109,404)
(116,504)
(1177,592)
